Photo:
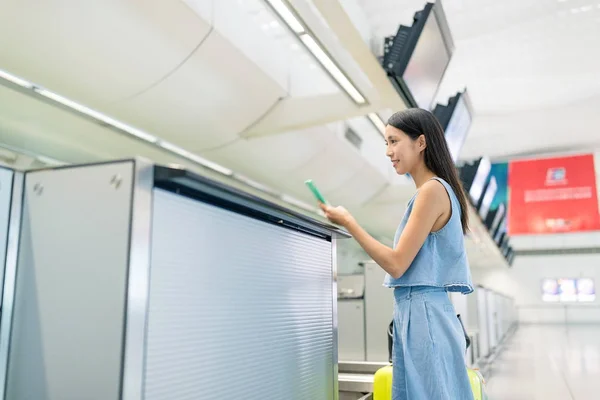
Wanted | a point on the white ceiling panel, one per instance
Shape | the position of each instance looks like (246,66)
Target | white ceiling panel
(360,188)
(272,159)
(212,98)
(43,129)
(96,52)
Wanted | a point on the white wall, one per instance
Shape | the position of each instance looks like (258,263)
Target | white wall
(523,283)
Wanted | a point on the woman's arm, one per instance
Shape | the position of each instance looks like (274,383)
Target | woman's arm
(429,205)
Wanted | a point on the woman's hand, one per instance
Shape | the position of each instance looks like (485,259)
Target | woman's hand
(338,215)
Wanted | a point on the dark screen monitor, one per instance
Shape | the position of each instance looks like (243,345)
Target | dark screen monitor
(504,243)
(506,248)
(416,58)
(500,233)
(456,118)
(510,256)
(486,201)
(474,177)
(494,218)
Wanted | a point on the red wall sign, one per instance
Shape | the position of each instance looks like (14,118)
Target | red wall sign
(552,195)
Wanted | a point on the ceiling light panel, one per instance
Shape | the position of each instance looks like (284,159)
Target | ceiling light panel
(15,79)
(266,34)
(284,10)
(332,68)
(287,15)
(378,122)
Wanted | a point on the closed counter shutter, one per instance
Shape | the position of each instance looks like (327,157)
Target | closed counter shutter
(238,309)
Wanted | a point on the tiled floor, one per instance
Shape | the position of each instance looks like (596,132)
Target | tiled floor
(548,362)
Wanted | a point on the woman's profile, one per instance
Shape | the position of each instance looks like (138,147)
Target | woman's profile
(428,260)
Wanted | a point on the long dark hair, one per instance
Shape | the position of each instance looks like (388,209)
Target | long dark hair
(416,122)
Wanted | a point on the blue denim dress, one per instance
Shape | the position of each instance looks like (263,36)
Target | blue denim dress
(429,345)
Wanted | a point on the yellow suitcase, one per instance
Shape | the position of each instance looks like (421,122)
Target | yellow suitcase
(477,384)
(382,384)
(382,381)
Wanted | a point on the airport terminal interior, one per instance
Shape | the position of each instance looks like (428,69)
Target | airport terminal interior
(160,169)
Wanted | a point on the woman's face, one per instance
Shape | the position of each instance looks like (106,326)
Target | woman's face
(404,152)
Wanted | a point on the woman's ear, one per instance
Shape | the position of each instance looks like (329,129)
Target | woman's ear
(422,142)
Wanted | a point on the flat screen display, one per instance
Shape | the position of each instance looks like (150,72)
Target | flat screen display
(481,176)
(550,292)
(458,127)
(488,197)
(586,290)
(568,290)
(500,231)
(498,217)
(427,64)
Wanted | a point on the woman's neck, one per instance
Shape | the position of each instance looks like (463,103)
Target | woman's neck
(421,174)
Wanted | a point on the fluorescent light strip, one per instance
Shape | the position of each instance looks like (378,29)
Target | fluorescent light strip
(283,10)
(15,79)
(333,69)
(133,131)
(148,138)
(96,115)
(378,122)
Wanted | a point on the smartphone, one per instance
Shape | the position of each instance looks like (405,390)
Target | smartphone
(309,183)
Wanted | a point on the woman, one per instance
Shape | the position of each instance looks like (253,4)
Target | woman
(427,261)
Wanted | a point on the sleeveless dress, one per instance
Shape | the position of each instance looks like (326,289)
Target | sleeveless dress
(429,345)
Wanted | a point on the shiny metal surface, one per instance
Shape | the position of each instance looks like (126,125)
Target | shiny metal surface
(6,181)
(355,396)
(232,324)
(191,184)
(138,282)
(361,383)
(336,371)
(12,251)
(360,367)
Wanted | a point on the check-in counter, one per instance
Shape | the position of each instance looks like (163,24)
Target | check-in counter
(136,281)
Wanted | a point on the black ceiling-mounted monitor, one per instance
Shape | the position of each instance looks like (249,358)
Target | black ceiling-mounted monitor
(510,257)
(506,248)
(485,202)
(417,57)
(474,177)
(456,119)
(505,243)
(501,226)
(500,233)
(494,218)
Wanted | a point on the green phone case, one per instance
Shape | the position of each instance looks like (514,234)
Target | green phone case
(315,191)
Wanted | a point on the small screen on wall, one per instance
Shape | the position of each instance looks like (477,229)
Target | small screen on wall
(550,290)
(566,290)
(586,290)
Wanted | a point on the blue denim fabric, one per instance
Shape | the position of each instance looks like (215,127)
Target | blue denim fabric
(442,260)
(429,347)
